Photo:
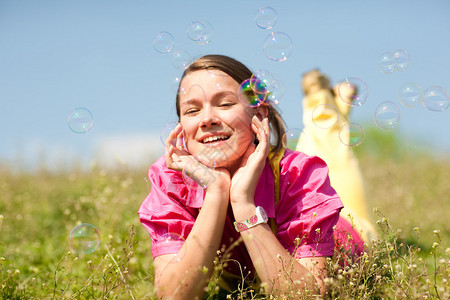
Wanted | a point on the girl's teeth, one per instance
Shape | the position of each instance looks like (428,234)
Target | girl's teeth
(214,138)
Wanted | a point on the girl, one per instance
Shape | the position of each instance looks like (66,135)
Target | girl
(268,210)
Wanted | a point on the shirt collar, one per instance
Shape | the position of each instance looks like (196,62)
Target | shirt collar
(264,193)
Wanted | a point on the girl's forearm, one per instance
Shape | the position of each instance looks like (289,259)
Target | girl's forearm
(276,267)
(187,278)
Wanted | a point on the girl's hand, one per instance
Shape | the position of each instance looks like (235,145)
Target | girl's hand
(179,159)
(245,180)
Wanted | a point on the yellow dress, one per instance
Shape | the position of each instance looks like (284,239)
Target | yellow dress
(324,114)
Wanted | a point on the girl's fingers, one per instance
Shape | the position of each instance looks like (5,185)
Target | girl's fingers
(179,143)
(262,131)
(173,135)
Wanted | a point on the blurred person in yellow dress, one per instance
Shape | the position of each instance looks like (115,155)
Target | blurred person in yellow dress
(325,112)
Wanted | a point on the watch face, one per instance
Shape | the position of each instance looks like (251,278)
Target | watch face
(263,213)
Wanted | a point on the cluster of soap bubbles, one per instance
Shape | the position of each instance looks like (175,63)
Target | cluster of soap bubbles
(277,46)
(434,98)
(274,86)
(262,87)
(390,62)
(80,120)
(252,92)
(84,238)
(387,113)
(265,87)
(200,32)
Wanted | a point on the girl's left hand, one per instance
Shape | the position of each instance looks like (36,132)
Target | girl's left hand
(245,179)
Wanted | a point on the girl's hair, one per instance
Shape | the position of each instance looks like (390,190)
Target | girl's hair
(239,72)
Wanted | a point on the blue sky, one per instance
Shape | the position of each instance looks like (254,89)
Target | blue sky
(59,55)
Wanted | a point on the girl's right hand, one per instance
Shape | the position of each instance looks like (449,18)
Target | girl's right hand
(179,159)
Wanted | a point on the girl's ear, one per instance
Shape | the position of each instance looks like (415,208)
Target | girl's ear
(262,112)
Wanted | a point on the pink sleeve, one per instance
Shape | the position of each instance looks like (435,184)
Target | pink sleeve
(308,208)
(163,214)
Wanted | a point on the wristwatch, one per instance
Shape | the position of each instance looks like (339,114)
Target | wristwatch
(259,217)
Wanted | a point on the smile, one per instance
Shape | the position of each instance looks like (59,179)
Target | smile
(215,138)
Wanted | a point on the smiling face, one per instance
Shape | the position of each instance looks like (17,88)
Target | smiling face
(216,124)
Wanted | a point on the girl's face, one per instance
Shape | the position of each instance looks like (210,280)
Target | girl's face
(216,124)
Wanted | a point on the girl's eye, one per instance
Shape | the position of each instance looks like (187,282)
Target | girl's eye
(226,104)
(190,111)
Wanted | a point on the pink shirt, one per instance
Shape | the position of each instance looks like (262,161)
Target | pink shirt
(308,209)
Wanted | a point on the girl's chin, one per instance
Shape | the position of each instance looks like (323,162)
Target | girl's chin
(211,163)
(213,159)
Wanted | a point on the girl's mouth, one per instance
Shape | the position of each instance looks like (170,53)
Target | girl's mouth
(214,139)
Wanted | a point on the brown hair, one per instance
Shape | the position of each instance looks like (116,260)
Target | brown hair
(239,72)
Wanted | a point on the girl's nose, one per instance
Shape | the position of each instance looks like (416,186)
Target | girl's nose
(209,118)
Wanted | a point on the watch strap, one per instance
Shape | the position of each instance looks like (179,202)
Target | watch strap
(259,217)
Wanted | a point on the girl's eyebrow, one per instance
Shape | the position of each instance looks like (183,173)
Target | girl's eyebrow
(189,101)
(215,97)
(222,94)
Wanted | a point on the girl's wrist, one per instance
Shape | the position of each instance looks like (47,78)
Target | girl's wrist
(243,211)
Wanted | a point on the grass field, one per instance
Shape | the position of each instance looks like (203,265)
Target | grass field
(411,259)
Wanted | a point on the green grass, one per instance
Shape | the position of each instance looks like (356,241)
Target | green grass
(411,259)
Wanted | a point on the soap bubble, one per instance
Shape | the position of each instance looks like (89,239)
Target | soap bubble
(163,42)
(387,115)
(278,46)
(80,120)
(265,76)
(351,134)
(353,91)
(276,91)
(169,240)
(291,137)
(84,238)
(402,59)
(435,98)
(410,94)
(387,63)
(165,132)
(266,17)
(325,116)
(257,85)
(248,95)
(196,175)
(181,59)
(273,86)
(200,32)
